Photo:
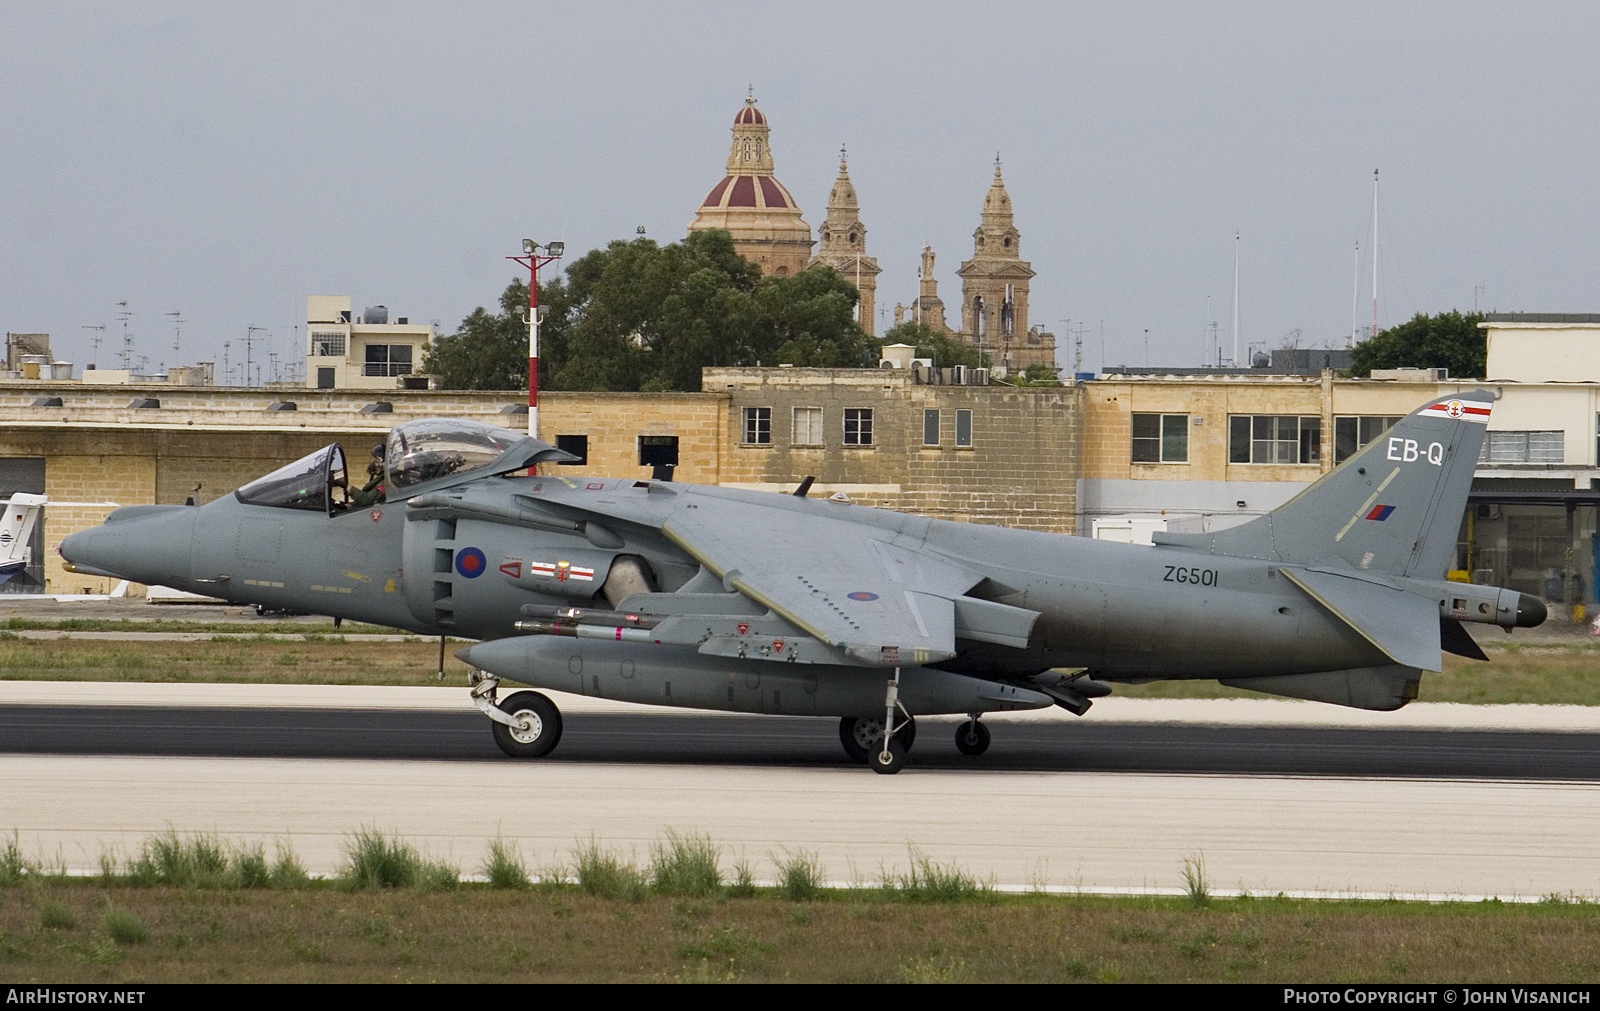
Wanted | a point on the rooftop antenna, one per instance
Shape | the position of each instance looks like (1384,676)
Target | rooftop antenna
(98,333)
(1477,290)
(1374,252)
(1355,299)
(127,338)
(249,346)
(272,356)
(177,329)
(1235,299)
(227,369)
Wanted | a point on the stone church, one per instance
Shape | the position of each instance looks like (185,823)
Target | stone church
(768,229)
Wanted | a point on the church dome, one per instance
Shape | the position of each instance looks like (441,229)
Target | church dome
(748,191)
(752,205)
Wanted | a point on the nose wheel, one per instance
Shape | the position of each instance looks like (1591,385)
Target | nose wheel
(524,724)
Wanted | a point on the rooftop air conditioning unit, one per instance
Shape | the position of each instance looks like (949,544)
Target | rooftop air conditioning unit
(958,375)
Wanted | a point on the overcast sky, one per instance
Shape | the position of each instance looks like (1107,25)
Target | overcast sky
(227,160)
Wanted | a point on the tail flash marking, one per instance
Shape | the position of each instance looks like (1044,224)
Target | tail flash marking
(1365,506)
(1465,410)
(1380,512)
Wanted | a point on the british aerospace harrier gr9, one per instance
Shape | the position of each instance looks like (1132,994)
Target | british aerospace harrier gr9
(712,598)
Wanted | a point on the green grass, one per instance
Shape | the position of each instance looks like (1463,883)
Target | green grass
(249,626)
(374,860)
(504,867)
(685,865)
(602,872)
(191,916)
(799,875)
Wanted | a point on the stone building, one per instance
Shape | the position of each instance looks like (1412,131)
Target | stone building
(984,454)
(752,205)
(844,245)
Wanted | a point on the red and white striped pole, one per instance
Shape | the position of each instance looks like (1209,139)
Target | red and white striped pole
(533,261)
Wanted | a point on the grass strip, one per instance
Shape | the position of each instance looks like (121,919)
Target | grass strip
(191,908)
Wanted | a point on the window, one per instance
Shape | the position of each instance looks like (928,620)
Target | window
(930,428)
(1160,438)
(324,344)
(858,426)
(658,450)
(964,428)
(1523,447)
(1352,433)
(325,378)
(807,426)
(1274,438)
(577,445)
(758,426)
(388,360)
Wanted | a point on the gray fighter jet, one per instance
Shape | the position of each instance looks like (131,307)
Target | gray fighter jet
(684,595)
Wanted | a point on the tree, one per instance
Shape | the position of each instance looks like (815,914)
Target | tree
(641,316)
(946,351)
(489,351)
(1449,340)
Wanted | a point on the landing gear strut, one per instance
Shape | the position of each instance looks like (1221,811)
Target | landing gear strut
(891,754)
(525,724)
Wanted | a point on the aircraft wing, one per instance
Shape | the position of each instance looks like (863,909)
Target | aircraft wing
(848,584)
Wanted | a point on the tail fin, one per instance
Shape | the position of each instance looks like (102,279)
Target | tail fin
(1394,507)
(17,525)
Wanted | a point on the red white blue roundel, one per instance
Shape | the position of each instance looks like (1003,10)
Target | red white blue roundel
(471,563)
(862,595)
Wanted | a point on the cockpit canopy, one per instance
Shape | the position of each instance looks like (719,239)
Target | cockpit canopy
(431,448)
(416,452)
(311,483)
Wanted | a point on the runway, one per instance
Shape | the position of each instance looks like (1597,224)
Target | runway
(1103,806)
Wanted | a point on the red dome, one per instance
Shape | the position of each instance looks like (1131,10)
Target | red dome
(749,116)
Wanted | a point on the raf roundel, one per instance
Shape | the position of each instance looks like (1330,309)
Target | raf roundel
(470,562)
(862,595)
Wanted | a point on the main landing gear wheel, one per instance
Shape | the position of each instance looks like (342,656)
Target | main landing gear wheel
(972,738)
(862,736)
(540,728)
(888,761)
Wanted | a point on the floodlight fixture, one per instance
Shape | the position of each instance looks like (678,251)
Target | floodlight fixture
(556,248)
(528,246)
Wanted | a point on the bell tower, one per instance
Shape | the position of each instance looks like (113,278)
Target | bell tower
(844,245)
(994,289)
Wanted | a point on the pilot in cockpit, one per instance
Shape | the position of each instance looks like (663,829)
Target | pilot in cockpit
(374,492)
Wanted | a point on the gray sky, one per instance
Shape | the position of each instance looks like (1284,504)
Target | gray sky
(227,160)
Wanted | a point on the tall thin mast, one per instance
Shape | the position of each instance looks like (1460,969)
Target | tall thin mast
(1374,252)
(1235,299)
(1355,298)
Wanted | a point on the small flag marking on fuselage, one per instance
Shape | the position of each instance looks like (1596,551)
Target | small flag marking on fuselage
(1380,513)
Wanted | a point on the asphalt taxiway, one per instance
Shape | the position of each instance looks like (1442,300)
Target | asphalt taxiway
(1436,801)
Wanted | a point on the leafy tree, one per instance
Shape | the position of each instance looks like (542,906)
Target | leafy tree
(641,316)
(1449,340)
(490,350)
(946,351)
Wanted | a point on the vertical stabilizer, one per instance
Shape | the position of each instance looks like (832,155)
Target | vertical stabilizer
(1394,507)
(17,528)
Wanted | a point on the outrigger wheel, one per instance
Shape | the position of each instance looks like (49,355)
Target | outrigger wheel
(539,729)
(862,737)
(972,737)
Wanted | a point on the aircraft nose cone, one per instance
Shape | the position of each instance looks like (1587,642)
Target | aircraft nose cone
(145,544)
